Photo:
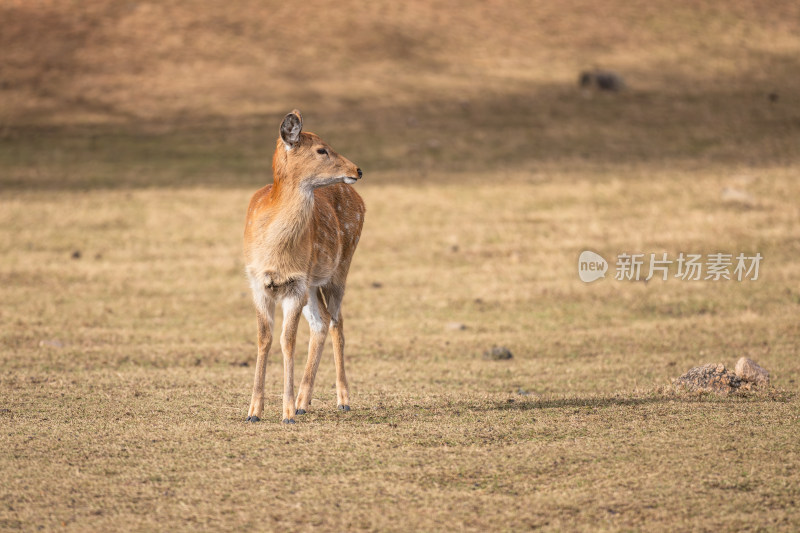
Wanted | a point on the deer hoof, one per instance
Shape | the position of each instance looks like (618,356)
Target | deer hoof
(300,412)
(252,419)
(289,421)
(344,408)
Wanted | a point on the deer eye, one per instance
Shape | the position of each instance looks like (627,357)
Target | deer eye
(322,151)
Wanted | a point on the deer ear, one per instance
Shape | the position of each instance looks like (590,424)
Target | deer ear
(291,127)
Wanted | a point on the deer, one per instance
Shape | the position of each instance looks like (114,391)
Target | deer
(299,239)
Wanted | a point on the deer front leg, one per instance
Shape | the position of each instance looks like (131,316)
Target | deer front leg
(265,323)
(292,308)
(318,319)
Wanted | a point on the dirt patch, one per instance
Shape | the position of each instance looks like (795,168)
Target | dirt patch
(720,380)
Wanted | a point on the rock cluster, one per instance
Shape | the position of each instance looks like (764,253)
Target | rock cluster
(748,375)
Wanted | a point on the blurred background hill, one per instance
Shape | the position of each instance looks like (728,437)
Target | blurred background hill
(186,91)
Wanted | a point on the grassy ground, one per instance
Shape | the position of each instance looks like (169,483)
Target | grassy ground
(127,335)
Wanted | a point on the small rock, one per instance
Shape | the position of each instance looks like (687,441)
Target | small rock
(736,196)
(76,254)
(377,285)
(497,353)
(709,378)
(455,326)
(433,144)
(53,343)
(749,370)
(522,392)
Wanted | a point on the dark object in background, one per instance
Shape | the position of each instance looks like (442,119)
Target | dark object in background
(604,80)
(497,353)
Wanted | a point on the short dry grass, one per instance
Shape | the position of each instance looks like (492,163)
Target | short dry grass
(127,335)
(124,387)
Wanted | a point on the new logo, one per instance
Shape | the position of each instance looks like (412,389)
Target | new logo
(591,266)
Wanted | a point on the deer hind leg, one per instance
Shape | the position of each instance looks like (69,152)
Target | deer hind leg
(337,335)
(292,309)
(265,323)
(318,320)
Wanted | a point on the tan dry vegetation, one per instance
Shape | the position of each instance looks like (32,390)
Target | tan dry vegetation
(100,60)
(135,132)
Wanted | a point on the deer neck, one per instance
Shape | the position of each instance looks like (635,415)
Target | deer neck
(294,209)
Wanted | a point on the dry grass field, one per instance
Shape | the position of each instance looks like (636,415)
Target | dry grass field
(132,134)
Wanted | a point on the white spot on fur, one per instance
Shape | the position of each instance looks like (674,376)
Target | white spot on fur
(260,298)
(311,312)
